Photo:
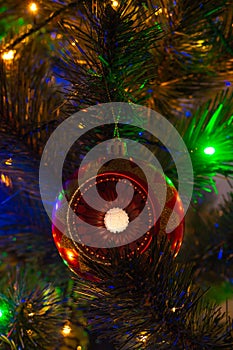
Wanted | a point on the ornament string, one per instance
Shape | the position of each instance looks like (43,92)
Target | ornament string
(116,132)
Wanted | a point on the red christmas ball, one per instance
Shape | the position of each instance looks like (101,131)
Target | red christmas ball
(120,225)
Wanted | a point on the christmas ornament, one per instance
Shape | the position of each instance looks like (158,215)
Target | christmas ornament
(111,221)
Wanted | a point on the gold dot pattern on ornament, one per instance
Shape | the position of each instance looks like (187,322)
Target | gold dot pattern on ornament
(161,189)
(66,242)
(82,266)
(75,199)
(119,166)
(170,193)
(165,216)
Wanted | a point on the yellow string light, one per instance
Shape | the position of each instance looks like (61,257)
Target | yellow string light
(115,3)
(8,161)
(143,337)
(4,179)
(9,55)
(66,330)
(157,12)
(33,7)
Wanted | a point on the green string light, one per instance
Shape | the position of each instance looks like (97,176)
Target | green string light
(5,315)
(209,150)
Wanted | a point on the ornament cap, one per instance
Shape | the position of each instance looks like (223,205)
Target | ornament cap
(117,148)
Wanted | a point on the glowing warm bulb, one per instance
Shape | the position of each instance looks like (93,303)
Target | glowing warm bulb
(115,3)
(79,347)
(9,55)
(33,7)
(143,337)
(4,179)
(8,161)
(66,330)
(200,43)
(158,11)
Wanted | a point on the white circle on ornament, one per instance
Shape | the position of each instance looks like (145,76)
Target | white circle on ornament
(116,220)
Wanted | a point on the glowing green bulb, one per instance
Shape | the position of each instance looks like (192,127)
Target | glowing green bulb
(4,309)
(3,312)
(5,315)
(209,150)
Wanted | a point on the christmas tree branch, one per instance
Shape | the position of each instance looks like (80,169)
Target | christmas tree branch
(208,136)
(150,301)
(32,316)
(105,48)
(36,28)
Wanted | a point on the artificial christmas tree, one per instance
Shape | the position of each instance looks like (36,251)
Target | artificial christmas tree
(63,57)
